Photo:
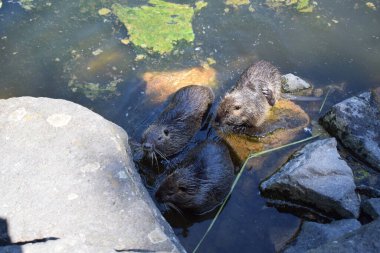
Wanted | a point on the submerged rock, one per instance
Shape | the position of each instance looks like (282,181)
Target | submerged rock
(292,83)
(356,123)
(316,177)
(67,173)
(160,85)
(285,121)
(313,234)
(364,239)
(300,5)
(371,207)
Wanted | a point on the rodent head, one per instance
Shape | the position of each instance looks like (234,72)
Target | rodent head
(241,109)
(179,190)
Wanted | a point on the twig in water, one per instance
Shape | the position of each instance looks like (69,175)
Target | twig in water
(324,101)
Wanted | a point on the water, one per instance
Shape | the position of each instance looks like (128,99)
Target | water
(43,49)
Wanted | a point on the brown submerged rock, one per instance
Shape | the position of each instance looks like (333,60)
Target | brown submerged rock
(159,85)
(285,121)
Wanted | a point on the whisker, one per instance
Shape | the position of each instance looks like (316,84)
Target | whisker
(174,207)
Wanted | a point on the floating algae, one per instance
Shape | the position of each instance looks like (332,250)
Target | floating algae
(157,27)
(300,5)
(237,2)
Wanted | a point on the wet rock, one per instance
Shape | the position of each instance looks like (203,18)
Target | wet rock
(160,85)
(371,207)
(66,175)
(285,121)
(292,83)
(356,123)
(314,234)
(364,239)
(317,177)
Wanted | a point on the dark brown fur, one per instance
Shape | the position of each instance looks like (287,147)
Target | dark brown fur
(247,104)
(179,121)
(202,180)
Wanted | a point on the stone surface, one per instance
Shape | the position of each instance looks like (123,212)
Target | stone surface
(291,83)
(356,123)
(160,85)
(285,121)
(317,177)
(364,239)
(66,175)
(313,234)
(372,207)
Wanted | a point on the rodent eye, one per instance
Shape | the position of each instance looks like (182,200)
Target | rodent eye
(237,107)
(181,188)
(166,132)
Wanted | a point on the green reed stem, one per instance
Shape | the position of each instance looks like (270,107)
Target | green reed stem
(324,101)
(238,177)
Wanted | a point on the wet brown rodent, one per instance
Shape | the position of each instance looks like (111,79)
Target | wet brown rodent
(201,181)
(179,121)
(247,104)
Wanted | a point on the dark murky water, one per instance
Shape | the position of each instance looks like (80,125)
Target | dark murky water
(46,48)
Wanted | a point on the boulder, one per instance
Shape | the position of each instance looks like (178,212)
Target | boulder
(67,179)
(364,239)
(371,207)
(317,177)
(313,234)
(292,83)
(356,123)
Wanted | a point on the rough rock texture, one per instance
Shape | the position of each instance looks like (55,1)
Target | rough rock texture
(313,234)
(364,239)
(356,122)
(291,83)
(316,177)
(372,207)
(66,175)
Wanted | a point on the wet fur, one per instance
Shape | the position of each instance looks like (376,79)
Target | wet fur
(202,180)
(179,121)
(248,103)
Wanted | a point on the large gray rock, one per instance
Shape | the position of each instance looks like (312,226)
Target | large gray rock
(356,123)
(362,240)
(292,83)
(316,177)
(313,234)
(66,175)
(372,207)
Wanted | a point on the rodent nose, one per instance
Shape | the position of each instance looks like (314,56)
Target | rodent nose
(147,146)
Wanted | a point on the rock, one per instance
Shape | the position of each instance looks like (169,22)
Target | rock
(292,83)
(317,177)
(364,239)
(313,234)
(285,121)
(66,176)
(356,123)
(160,85)
(371,207)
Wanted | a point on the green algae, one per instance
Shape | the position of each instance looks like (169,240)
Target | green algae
(159,26)
(303,6)
(26,4)
(237,2)
(95,90)
(361,174)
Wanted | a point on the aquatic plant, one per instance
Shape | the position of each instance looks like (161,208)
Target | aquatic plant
(300,5)
(237,2)
(238,177)
(159,26)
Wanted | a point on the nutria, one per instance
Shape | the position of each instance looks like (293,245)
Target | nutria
(179,121)
(247,104)
(201,181)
